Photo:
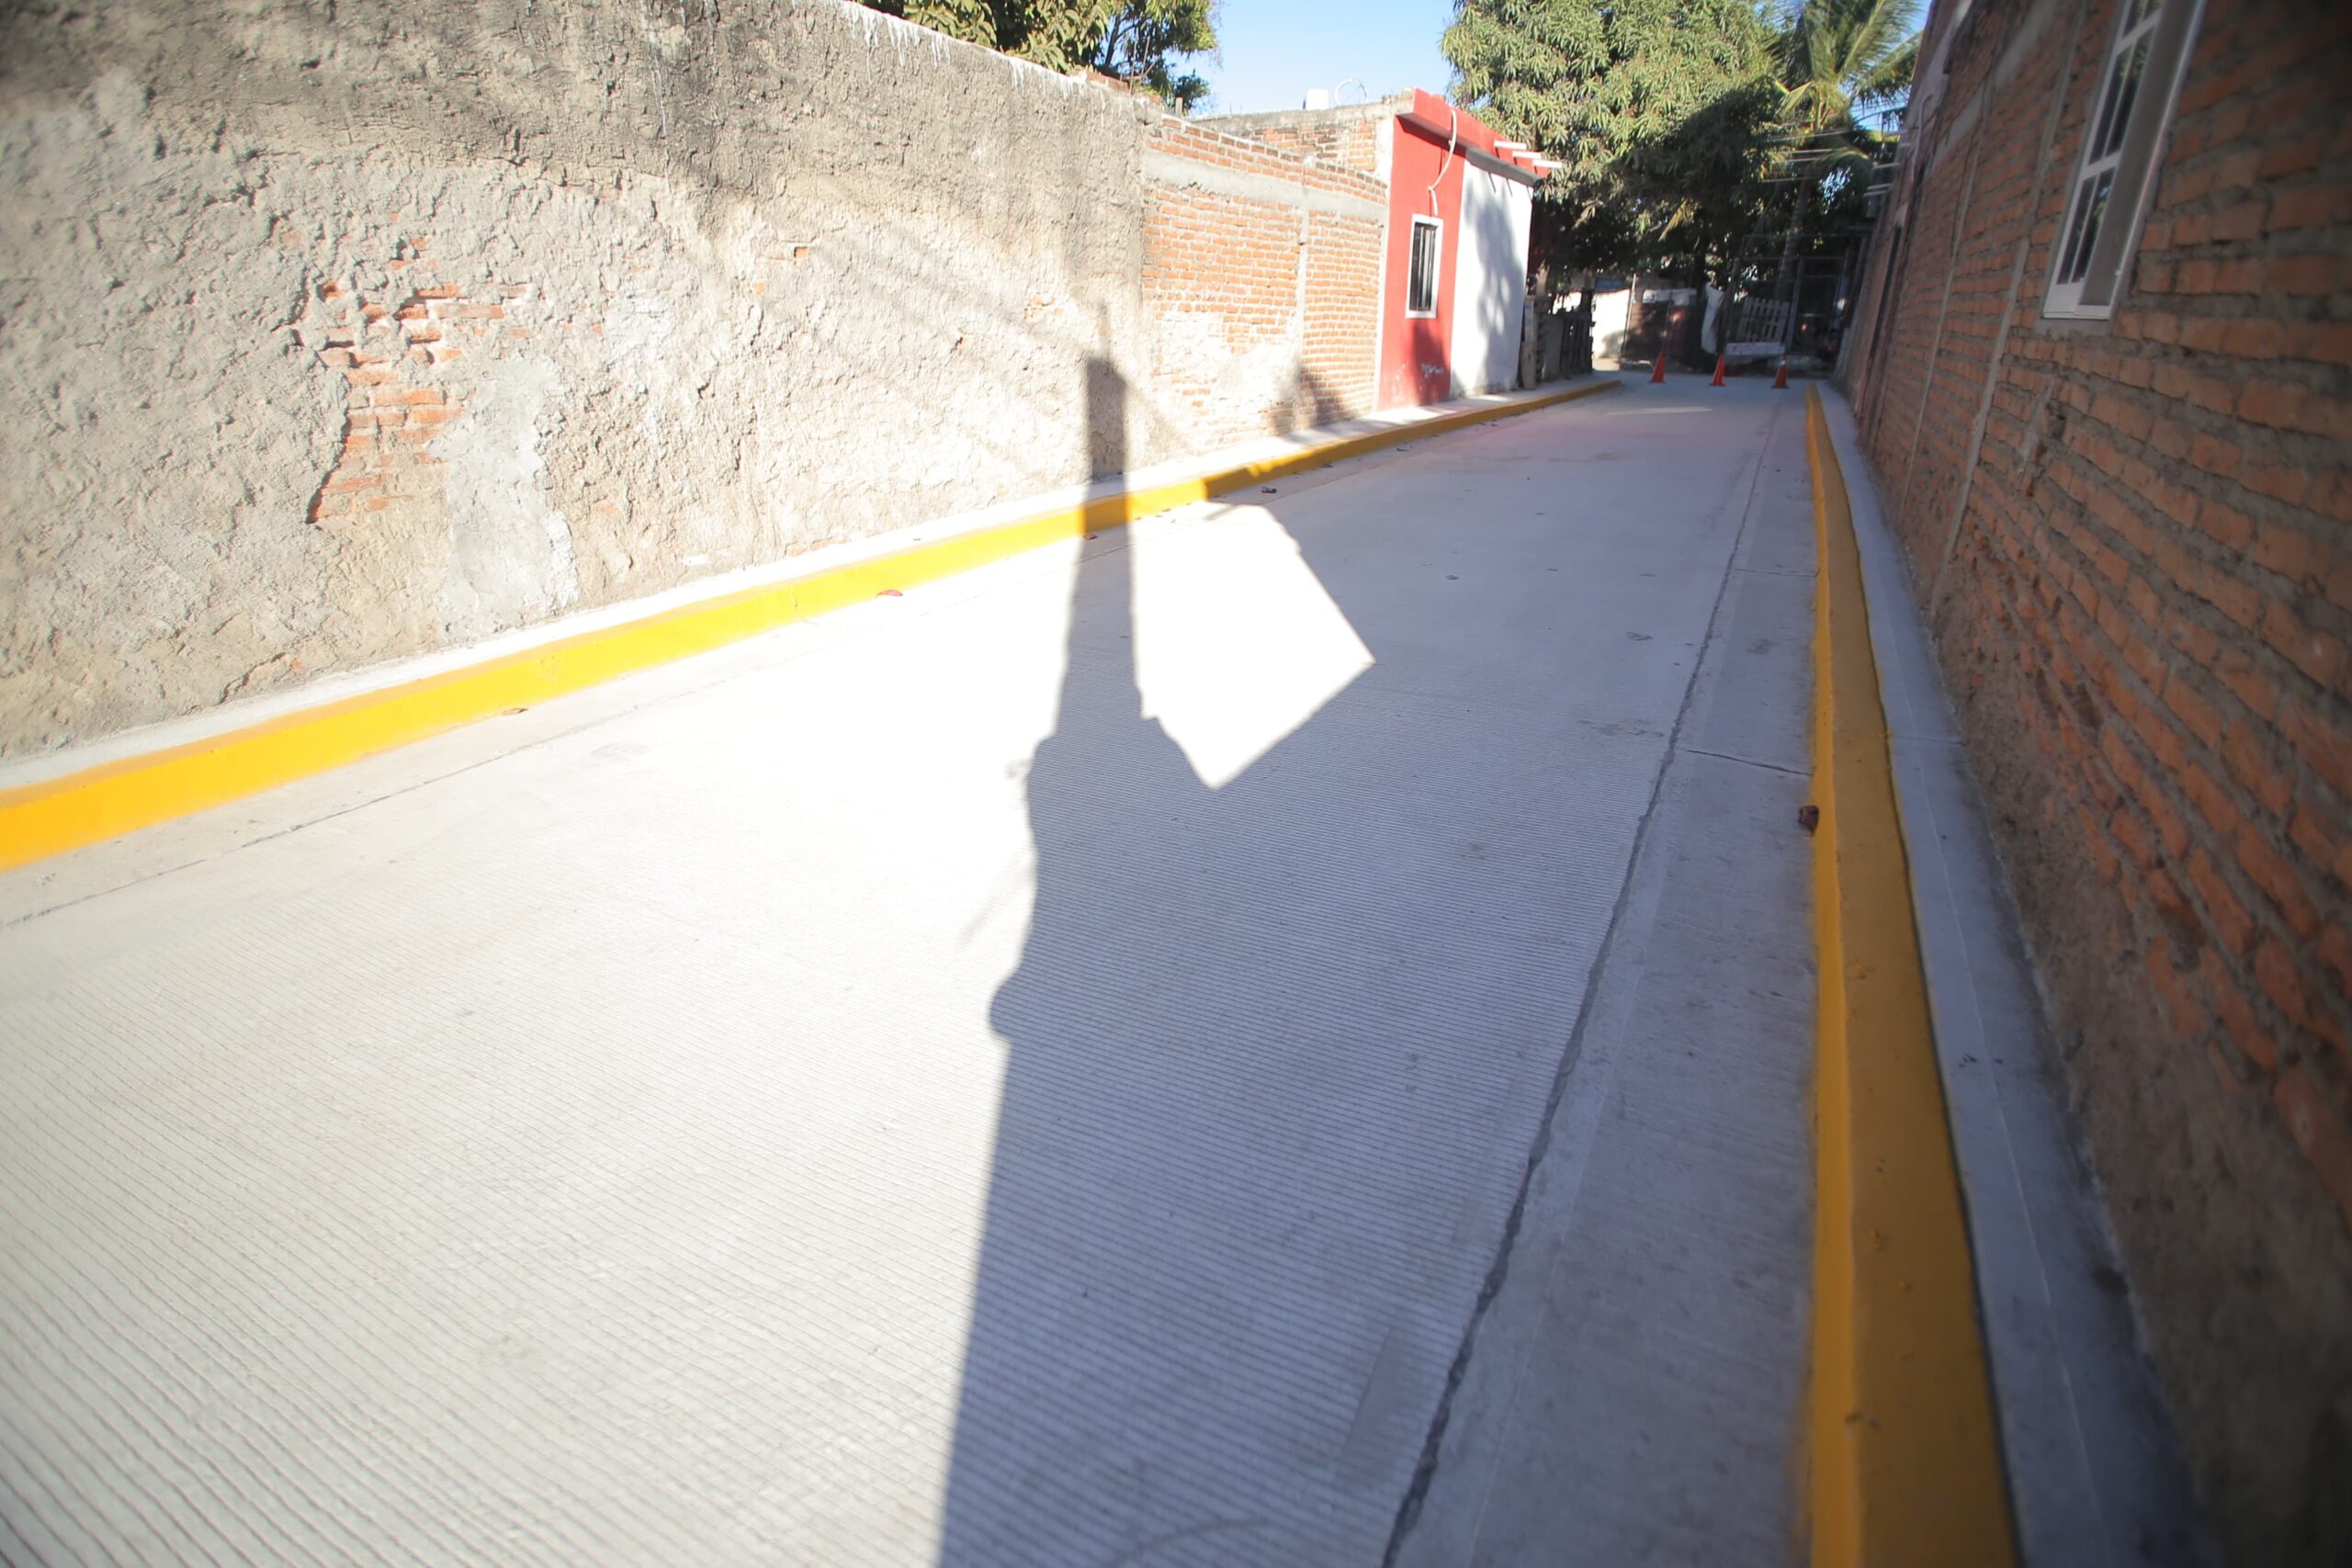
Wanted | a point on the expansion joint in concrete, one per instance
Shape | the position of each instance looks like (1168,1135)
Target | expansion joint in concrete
(1409,1508)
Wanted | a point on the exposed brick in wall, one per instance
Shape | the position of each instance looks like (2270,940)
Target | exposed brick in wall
(2132,538)
(1264,311)
(397,356)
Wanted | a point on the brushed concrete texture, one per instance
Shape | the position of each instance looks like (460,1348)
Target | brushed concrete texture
(1631,1394)
(992,1076)
(723,284)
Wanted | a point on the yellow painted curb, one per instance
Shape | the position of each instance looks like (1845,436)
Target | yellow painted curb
(1905,1460)
(55,815)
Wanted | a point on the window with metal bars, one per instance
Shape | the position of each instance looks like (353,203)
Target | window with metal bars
(2140,78)
(1420,272)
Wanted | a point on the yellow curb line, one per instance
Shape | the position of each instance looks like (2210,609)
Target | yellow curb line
(48,818)
(1905,1465)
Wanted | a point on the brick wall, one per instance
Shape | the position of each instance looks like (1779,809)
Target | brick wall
(2131,540)
(1352,144)
(1347,137)
(1261,283)
(1342,327)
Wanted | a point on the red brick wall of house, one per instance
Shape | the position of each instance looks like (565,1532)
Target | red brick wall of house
(1344,143)
(1342,262)
(1265,303)
(2134,540)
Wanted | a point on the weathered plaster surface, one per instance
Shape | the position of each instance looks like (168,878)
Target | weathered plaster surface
(331,334)
(510,552)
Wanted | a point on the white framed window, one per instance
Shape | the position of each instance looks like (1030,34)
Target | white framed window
(2137,84)
(1420,267)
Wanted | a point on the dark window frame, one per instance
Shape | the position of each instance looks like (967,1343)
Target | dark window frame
(1421,281)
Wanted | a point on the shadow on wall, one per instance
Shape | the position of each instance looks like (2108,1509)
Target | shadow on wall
(1252,1155)
(1496,296)
(1311,402)
(660,308)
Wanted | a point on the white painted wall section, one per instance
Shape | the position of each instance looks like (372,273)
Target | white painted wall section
(1608,324)
(1490,281)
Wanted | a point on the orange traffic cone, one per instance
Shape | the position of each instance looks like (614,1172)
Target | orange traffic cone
(1658,368)
(1781,382)
(1718,369)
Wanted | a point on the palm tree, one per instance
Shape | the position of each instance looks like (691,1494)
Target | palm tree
(1838,56)
(1835,60)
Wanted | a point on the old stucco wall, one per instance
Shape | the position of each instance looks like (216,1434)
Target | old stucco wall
(327,341)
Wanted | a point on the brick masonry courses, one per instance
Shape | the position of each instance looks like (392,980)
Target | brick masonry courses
(1262,278)
(2131,538)
(354,333)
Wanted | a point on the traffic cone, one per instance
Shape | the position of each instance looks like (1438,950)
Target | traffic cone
(1658,368)
(1781,382)
(1718,369)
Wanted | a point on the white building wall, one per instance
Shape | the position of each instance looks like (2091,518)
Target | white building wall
(1609,325)
(1490,281)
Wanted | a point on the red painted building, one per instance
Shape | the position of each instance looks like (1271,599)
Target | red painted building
(1459,203)
(1453,261)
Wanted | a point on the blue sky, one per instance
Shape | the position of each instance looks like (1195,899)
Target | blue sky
(1275,50)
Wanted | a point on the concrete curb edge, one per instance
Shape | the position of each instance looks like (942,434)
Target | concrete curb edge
(1904,1460)
(54,815)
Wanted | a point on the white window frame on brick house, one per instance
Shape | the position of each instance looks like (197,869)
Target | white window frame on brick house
(1436,231)
(2139,78)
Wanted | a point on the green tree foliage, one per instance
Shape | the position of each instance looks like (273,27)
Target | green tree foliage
(974,21)
(1137,40)
(1658,110)
(1834,61)
(1684,126)
(1145,37)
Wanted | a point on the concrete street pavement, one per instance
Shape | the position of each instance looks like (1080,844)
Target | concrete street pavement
(1277,1035)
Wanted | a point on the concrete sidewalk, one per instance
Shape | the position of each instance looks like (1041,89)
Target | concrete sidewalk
(1044,1070)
